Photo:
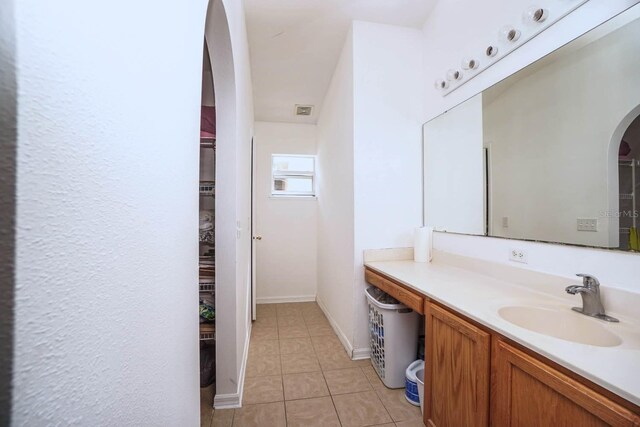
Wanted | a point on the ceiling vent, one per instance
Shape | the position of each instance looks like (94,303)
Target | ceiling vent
(303,110)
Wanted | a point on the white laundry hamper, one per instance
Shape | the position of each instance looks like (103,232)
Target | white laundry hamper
(393,336)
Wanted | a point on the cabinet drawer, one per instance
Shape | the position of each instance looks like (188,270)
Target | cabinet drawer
(402,294)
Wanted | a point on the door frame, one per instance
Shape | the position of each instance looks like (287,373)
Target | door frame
(253,239)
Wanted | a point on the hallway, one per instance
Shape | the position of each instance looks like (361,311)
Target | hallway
(298,374)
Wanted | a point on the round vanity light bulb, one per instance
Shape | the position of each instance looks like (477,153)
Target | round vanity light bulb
(454,75)
(470,64)
(509,34)
(441,84)
(491,51)
(535,15)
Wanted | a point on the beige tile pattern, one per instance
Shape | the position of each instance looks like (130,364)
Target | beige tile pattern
(295,331)
(264,347)
(296,345)
(304,385)
(261,415)
(299,374)
(260,365)
(263,390)
(360,409)
(318,412)
(351,380)
(222,418)
(264,333)
(299,362)
(373,378)
(397,406)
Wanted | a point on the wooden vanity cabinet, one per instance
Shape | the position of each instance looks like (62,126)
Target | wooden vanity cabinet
(397,290)
(475,377)
(457,371)
(526,391)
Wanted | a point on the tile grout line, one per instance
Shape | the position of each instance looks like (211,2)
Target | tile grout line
(316,354)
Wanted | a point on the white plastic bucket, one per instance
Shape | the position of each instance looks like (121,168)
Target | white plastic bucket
(420,381)
(411,384)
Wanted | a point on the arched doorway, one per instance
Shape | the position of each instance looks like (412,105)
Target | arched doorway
(228,352)
(629,186)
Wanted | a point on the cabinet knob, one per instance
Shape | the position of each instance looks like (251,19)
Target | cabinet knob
(257,237)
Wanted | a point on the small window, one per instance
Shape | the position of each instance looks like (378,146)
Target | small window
(293,175)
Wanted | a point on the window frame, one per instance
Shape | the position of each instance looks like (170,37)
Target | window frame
(294,174)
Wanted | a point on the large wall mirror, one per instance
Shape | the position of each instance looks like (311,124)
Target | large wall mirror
(551,153)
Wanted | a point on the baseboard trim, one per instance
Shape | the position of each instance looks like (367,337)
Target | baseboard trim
(361,353)
(279,300)
(226,401)
(341,336)
(234,400)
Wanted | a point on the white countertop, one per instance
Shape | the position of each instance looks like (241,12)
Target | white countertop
(478,289)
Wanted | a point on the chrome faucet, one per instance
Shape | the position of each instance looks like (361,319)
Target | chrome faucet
(591,302)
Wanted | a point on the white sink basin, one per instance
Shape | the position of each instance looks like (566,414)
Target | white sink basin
(564,324)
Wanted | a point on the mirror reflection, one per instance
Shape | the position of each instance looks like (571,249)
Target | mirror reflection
(552,153)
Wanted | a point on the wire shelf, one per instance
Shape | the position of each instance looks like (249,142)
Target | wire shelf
(207,188)
(207,331)
(208,143)
(207,284)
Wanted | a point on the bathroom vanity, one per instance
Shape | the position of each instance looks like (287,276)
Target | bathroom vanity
(504,348)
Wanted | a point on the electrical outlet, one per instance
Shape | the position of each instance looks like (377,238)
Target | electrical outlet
(518,255)
(587,224)
(505,222)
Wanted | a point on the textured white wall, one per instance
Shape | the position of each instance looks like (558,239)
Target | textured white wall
(108,210)
(335,204)
(107,218)
(441,35)
(286,257)
(387,81)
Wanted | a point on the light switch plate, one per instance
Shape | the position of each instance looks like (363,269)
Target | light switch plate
(587,224)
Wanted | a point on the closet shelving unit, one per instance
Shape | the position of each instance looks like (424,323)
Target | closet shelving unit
(206,285)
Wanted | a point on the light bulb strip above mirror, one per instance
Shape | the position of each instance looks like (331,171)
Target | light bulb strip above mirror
(535,20)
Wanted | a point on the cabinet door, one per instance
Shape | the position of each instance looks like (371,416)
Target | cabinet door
(457,371)
(527,392)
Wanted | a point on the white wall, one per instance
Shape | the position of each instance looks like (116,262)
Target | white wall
(453,169)
(107,217)
(572,147)
(441,35)
(459,28)
(369,147)
(286,257)
(387,82)
(107,212)
(335,203)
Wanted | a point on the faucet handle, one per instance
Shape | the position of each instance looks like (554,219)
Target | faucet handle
(588,280)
